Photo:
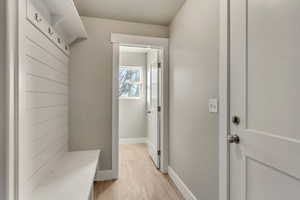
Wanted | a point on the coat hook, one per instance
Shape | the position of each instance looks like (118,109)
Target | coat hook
(50,31)
(37,18)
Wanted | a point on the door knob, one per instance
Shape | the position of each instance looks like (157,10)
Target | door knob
(149,112)
(233,139)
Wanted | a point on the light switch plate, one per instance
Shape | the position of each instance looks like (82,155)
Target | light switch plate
(213,105)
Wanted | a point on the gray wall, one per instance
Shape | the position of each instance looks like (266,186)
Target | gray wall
(2,99)
(132,112)
(194,57)
(91,84)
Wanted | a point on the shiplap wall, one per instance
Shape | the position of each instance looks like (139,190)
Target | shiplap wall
(43,106)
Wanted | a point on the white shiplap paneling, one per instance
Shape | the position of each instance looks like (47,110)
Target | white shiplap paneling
(43,108)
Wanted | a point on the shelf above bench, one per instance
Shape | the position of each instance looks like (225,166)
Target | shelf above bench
(62,16)
(65,17)
(71,177)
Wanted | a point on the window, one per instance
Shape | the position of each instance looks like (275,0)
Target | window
(130,79)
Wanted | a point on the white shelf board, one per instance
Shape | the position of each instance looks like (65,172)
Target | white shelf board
(66,19)
(71,177)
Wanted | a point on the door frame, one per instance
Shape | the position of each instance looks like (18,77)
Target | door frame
(224,95)
(118,40)
(11,98)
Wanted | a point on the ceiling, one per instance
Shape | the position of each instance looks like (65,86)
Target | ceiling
(160,12)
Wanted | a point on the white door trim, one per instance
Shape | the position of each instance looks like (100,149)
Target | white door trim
(137,40)
(118,39)
(115,111)
(224,101)
(11,93)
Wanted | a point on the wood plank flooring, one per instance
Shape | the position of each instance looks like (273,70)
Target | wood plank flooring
(139,179)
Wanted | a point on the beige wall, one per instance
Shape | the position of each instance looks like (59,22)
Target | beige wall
(91,84)
(194,40)
(2,100)
(132,112)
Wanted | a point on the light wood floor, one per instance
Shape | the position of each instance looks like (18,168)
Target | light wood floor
(139,179)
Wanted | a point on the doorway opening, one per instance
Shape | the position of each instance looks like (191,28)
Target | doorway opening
(139,102)
(139,105)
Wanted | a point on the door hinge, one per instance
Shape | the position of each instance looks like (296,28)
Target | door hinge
(159,108)
(158,152)
(159,65)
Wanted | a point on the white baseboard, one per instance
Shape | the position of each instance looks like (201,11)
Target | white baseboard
(104,175)
(133,140)
(185,191)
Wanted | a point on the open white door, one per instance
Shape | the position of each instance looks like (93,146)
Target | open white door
(153,106)
(264,98)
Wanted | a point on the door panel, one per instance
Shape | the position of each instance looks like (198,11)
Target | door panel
(153,115)
(264,92)
(273,67)
(261,179)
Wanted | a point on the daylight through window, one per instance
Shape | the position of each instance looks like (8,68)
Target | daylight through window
(130,79)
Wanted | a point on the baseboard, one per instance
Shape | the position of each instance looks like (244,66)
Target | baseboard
(104,175)
(185,191)
(133,140)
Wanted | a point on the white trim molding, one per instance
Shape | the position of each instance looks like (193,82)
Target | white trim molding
(224,100)
(115,111)
(12,59)
(118,40)
(104,175)
(185,191)
(137,40)
(133,140)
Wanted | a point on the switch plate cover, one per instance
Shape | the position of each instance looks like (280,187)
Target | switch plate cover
(213,105)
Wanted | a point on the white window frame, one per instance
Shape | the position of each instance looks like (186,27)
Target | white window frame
(140,68)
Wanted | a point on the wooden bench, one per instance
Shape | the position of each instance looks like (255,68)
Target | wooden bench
(70,178)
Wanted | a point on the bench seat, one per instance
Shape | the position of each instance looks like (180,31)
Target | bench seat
(71,177)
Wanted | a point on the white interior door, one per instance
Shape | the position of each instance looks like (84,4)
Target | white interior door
(265,93)
(153,104)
